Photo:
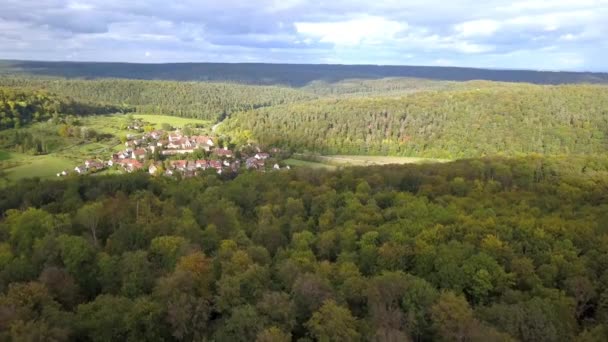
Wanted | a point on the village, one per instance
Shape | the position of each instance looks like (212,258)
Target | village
(170,153)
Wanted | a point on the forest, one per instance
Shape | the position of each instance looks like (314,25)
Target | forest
(294,75)
(487,249)
(210,101)
(21,106)
(472,120)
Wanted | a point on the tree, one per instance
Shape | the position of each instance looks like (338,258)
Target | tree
(333,323)
(243,325)
(89,216)
(165,251)
(27,226)
(273,334)
(453,318)
(145,321)
(104,319)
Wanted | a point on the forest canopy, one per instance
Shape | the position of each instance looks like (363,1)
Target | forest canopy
(478,119)
(209,101)
(19,106)
(474,250)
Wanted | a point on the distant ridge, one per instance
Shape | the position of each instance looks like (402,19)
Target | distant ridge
(287,74)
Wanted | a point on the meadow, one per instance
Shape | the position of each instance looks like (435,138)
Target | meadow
(355,160)
(66,153)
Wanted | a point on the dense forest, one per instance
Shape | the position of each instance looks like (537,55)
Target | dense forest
(478,119)
(474,250)
(22,106)
(296,75)
(211,101)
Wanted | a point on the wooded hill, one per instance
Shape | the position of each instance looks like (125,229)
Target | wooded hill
(210,101)
(475,250)
(483,118)
(286,74)
(20,106)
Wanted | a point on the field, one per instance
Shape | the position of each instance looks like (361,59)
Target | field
(116,124)
(357,160)
(304,163)
(16,166)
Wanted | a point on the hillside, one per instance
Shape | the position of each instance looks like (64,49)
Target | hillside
(20,106)
(479,119)
(286,74)
(201,100)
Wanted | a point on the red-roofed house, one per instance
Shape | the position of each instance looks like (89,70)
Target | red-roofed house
(222,152)
(140,153)
(179,164)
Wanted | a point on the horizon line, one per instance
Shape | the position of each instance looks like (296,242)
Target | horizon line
(323,64)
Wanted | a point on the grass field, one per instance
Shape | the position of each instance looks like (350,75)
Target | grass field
(304,163)
(17,166)
(171,120)
(115,124)
(358,160)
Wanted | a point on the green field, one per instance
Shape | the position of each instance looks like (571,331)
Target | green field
(17,166)
(116,124)
(304,163)
(171,120)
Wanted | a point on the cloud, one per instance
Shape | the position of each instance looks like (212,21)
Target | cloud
(365,29)
(481,27)
(495,33)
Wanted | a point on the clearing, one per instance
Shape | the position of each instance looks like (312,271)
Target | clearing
(310,164)
(358,160)
(17,165)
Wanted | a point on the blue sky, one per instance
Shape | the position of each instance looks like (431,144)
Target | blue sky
(531,34)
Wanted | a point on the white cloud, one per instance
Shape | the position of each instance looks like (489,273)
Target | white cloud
(365,29)
(474,28)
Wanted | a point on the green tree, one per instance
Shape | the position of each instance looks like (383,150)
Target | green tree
(333,323)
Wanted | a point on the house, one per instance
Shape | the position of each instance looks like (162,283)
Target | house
(216,164)
(156,135)
(130,143)
(191,166)
(80,169)
(183,143)
(202,164)
(276,167)
(133,165)
(88,163)
(262,156)
(175,136)
(162,143)
(203,142)
(222,152)
(254,163)
(186,144)
(140,153)
(174,145)
(179,164)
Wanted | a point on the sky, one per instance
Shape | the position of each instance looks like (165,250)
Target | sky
(505,34)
